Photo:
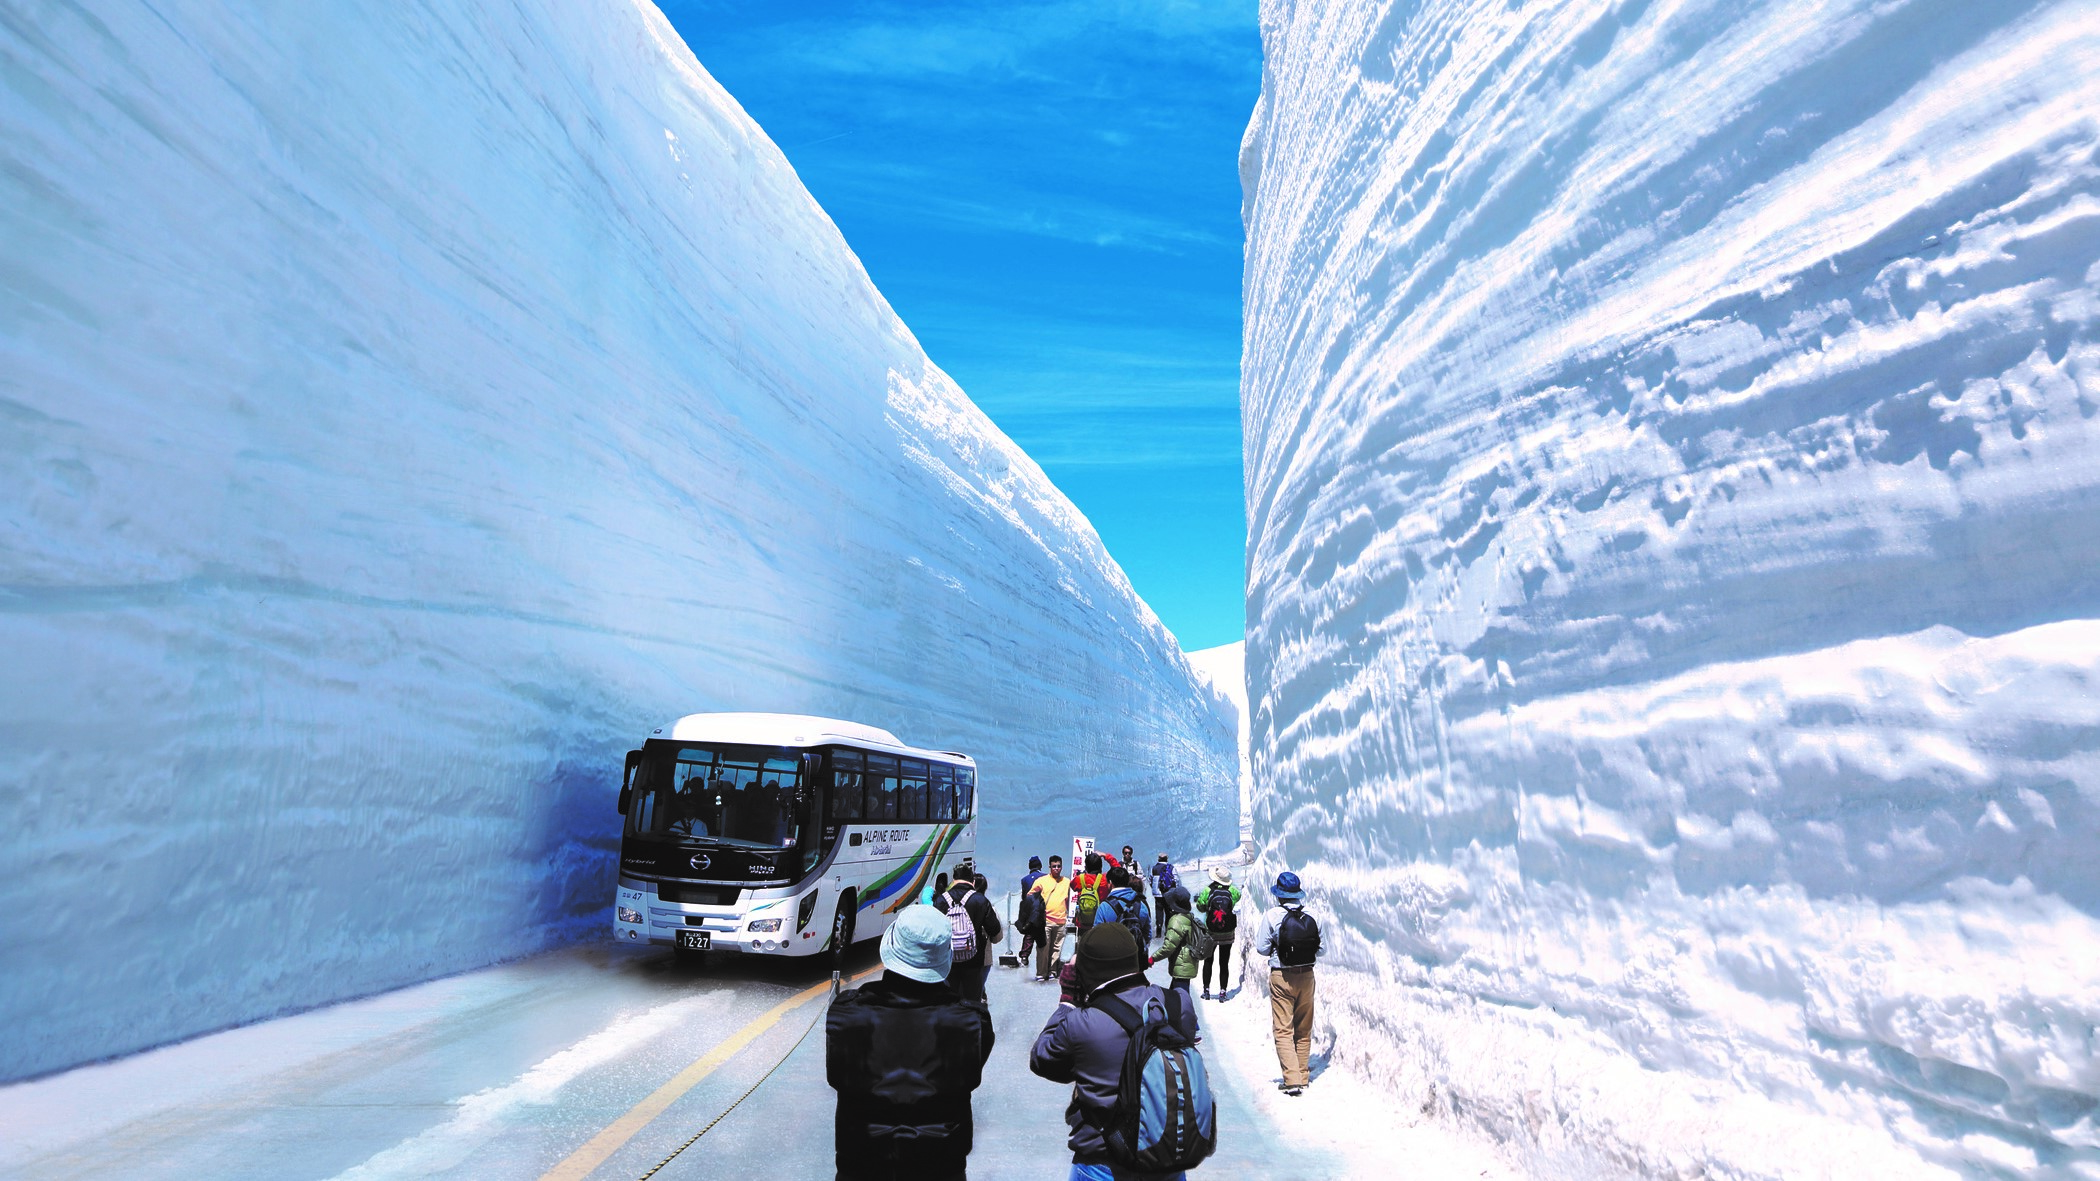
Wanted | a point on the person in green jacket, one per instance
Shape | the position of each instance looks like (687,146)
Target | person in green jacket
(1179,947)
(1217,908)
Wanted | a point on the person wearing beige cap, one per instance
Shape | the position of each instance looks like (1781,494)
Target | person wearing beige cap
(1217,908)
(904,1052)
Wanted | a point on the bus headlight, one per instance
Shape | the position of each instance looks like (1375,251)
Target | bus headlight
(630,915)
(766,925)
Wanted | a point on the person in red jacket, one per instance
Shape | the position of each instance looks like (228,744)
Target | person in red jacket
(1088,891)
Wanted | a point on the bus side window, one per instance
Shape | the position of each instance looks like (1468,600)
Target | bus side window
(845,785)
(911,791)
(882,787)
(966,793)
(941,792)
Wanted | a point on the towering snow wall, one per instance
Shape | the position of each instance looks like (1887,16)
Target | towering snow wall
(1674,581)
(405,409)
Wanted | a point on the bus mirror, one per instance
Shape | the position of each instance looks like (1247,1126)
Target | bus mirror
(634,759)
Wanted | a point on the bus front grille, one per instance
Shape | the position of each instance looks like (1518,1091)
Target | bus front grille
(698,895)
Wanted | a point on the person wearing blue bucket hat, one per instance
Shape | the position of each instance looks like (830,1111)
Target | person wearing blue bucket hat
(904,1052)
(1291,939)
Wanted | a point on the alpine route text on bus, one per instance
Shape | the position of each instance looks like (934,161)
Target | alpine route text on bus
(782,834)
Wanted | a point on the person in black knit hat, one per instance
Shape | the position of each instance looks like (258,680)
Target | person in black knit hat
(1084,1046)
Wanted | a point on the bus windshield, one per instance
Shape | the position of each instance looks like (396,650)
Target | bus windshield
(750,797)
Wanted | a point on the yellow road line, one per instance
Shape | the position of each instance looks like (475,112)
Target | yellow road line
(616,1134)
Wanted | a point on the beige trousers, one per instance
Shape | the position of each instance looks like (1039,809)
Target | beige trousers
(1291,1014)
(1051,949)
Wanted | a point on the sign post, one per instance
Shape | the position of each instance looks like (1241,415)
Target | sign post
(1081,846)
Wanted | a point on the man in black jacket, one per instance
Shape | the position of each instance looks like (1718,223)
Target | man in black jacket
(1085,1046)
(966,976)
(1030,922)
(904,1053)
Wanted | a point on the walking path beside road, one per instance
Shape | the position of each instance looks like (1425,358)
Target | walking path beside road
(1364,1131)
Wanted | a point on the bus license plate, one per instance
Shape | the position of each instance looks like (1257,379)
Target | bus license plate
(695,940)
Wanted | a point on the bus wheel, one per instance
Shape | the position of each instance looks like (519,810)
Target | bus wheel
(842,923)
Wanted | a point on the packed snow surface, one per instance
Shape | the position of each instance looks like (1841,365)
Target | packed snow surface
(1674,574)
(406,409)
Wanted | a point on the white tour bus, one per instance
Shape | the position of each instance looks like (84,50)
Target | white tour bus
(782,834)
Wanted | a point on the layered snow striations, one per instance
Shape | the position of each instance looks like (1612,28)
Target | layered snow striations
(1674,573)
(404,412)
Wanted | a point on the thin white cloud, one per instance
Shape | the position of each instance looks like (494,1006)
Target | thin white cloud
(1018,39)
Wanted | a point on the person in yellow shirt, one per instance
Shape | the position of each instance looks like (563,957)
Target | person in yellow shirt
(1056,890)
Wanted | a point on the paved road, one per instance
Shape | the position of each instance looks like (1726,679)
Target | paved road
(510,1071)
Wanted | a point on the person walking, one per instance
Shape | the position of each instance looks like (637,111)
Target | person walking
(1126,906)
(1291,939)
(904,1053)
(1142,886)
(1056,892)
(1217,908)
(1088,889)
(1178,947)
(1163,880)
(984,965)
(974,927)
(1085,1045)
(1030,921)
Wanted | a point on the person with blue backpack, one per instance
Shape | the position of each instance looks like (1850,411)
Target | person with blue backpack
(1291,939)
(1141,1106)
(1126,906)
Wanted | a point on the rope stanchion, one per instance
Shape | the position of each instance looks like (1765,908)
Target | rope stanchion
(747,1091)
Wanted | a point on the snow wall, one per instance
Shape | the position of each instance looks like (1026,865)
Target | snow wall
(407,409)
(1225,667)
(1674,574)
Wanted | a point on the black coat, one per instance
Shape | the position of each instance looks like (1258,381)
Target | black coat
(904,1057)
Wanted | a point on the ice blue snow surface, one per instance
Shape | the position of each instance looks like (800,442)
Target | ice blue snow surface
(1674,574)
(405,408)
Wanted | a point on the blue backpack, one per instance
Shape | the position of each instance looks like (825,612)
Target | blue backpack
(1165,879)
(1164,1119)
(1137,919)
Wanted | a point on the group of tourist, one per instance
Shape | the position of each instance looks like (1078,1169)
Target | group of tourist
(906,1051)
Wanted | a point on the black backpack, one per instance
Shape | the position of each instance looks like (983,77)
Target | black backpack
(1138,922)
(1218,914)
(1164,1119)
(1297,938)
(1032,913)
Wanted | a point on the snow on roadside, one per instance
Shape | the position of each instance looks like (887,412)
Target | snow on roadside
(1340,1114)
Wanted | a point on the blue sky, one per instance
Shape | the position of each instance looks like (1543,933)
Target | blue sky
(1048,194)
